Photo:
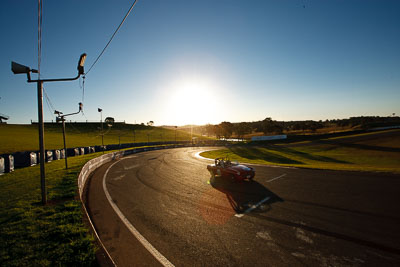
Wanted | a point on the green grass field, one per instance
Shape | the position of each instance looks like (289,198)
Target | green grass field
(15,138)
(377,151)
(51,235)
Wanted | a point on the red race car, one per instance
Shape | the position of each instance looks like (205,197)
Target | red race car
(234,171)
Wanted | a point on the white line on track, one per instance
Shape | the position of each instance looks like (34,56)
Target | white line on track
(197,155)
(273,179)
(252,207)
(164,261)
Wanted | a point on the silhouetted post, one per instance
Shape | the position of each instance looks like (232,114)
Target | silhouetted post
(65,145)
(191,133)
(41,141)
(175,134)
(102,133)
(62,118)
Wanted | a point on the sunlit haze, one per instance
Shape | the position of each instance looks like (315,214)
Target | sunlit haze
(197,62)
(192,100)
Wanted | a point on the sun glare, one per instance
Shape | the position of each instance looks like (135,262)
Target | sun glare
(193,101)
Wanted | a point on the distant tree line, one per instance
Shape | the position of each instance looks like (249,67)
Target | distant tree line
(268,126)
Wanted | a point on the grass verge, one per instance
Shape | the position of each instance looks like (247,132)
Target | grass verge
(51,235)
(379,153)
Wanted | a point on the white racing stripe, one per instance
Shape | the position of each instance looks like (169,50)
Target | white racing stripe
(164,261)
(252,207)
(273,179)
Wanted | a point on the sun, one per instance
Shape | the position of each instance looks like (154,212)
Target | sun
(193,101)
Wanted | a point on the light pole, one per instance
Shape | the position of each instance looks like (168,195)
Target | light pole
(191,133)
(175,134)
(21,69)
(102,134)
(61,117)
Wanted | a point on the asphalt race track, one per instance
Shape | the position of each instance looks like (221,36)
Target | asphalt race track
(285,217)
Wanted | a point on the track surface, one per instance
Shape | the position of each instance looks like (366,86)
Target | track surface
(310,217)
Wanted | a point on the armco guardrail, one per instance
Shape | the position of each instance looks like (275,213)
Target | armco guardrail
(91,166)
(30,158)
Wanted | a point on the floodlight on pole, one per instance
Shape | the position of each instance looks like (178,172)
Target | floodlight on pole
(21,69)
(61,118)
(81,63)
(175,133)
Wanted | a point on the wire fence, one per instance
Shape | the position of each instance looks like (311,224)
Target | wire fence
(78,121)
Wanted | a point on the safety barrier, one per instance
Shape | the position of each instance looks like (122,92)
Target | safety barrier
(2,167)
(28,158)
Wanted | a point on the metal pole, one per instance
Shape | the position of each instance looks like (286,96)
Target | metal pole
(191,134)
(65,145)
(102,133)
(41,142)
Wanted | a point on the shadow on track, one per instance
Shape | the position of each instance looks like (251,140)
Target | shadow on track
(244,195)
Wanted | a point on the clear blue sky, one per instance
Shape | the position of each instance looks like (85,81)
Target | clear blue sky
(180,62)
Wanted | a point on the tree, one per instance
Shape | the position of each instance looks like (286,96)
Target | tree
(109,121)
(210,129)
(227,129)
(150,123)
(218,131)
(267,126)
(242,128)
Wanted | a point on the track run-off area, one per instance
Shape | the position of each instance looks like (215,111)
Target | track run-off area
(162,208)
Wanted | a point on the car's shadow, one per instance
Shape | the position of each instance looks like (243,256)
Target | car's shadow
(245,195)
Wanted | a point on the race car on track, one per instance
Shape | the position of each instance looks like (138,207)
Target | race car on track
(234,171)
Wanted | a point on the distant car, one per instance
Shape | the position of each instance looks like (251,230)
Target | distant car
(234,171)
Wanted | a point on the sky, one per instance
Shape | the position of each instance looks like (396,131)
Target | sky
(196,62)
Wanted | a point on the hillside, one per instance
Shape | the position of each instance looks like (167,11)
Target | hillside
(15,137)
(373,151)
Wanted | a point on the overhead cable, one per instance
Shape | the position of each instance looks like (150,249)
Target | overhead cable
(122,22)
(40,8)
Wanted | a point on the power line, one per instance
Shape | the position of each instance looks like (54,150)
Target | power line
(40,23)
(48,101)
(40,15)
(122,22)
